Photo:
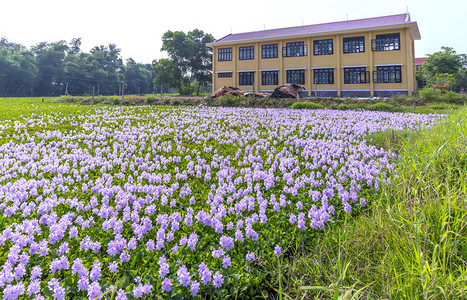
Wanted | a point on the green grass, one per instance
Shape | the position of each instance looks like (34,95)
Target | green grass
(411,243)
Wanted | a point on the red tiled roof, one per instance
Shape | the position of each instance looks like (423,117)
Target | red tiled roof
(317,28)
(420,60)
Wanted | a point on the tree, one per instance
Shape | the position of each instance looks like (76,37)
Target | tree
(166,73)
(190,56)
(50,58)
(201,57)
(139,77)
(443,67)
(107,68)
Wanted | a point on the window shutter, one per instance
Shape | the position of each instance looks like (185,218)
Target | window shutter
(373,45)
(284,51)
(375,76)
(306,50)
(367,79)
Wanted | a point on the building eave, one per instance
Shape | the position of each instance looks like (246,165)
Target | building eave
(413,27)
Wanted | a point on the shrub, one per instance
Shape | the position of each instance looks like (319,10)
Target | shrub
(175,102)
(150,99)
(383,107)
(116,100)
(430,94)
(167,101)
(306,105)
(451,96)
(229,100)
(439,106)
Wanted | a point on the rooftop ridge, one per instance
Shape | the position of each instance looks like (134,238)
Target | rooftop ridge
(304,29)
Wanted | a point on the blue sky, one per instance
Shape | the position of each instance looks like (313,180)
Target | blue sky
(137,26)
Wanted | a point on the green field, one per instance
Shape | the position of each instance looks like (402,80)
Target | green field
(409,241)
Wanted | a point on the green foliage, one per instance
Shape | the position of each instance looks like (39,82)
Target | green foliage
(175,102)
(116,100)
(189,56)
(59,68)
(166,73)
(139,78)
(450,96)
(151,99)
(229,100)
(442,79)
(411,243)
(445,66)
(383,107)
(306,105)
(430,94)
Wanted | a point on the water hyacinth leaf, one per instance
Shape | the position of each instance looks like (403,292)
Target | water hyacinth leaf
(139,191)
(124,282)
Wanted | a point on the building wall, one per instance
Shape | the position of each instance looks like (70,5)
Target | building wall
(338,60)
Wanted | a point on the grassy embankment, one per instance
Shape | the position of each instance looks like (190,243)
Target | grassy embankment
(393,104)
(412,241)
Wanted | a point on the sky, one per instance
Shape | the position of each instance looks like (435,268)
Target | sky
(137,26)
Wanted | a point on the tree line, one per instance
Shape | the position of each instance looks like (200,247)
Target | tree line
(62,68)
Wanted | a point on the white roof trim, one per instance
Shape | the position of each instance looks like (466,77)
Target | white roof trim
(388,65)
(393,90)
(269,70)
(295,69)
(363,66)
(355,90)
(224,71)
(246,71)
(323,68)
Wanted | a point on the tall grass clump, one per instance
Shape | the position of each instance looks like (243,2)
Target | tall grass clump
(306,105)
(411,242)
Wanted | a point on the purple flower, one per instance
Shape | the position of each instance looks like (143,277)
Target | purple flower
(83,284)
(121,295)
(250,256)
(194,288)
(138,291)
(113,267)
(124,257)
(216,253)
(277,250)
(163,270)
(183,276)
(226,262)
(95,274)
(63,248)
(94,290)
(292,218)
(59,293)
(218,280)
(192,241)
(239,235)
(12,292)
(362,202)
(150,245)
(204,273)
(227,242)
(20,271)
(34,287)
(167,285)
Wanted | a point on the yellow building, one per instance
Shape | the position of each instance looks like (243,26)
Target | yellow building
(358,58)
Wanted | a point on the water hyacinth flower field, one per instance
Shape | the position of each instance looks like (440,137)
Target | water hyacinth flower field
(139,202)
